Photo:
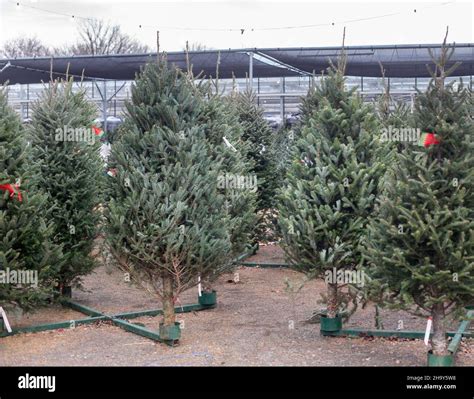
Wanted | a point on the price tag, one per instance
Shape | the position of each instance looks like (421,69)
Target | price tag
(429,323)
(5,319)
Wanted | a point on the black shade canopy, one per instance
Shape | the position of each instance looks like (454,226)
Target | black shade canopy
(398,61)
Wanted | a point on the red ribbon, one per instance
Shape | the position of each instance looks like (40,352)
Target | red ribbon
(12,189)
(97,130)
(430,139)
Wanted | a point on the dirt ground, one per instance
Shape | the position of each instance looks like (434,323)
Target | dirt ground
(251,326)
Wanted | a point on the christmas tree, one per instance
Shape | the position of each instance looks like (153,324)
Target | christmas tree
(66,149)
(168,223)
(257,133)
(28,259)
(331,186)
(237,181)
(421,243)
(279,155)
(397,128)
(320,89)
(391,113)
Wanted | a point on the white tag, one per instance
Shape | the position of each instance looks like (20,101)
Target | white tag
(429,323)
(199,286)
(5,320)
(227,143)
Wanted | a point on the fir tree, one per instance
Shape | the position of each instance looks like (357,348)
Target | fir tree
(279,155)
(225,134)
(421,243)
(66,149)
(167,218)
(320,89)
(391,113)
(26,250)
(395,121)
(331,185)
(257,133)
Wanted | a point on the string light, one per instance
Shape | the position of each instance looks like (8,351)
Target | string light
(240,30)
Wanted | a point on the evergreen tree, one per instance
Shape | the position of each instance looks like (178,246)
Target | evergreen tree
(25,237)
(331,185)
(279,154)
(391,113)
(257,133)
(320,89)
(66,149)
(396,125)
(167,219)
(237,180)
(421,243)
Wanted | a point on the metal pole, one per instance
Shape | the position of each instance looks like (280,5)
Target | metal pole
(251,70)
(104,106)
(282,101)
(258,91)
(28,100)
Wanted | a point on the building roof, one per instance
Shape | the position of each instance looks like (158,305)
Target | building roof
(397,60)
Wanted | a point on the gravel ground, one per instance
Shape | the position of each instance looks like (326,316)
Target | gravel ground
(250,326)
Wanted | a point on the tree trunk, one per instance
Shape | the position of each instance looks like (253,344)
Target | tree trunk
(438,341)
(332,300)
(169,317)
(206,285)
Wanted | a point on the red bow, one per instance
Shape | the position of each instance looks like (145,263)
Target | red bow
(12,189)
(97,130)
(430,139)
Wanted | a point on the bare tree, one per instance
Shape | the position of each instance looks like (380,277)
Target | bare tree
(100,37)
(21,47)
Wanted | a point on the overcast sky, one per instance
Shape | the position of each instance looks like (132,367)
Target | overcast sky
(175,19)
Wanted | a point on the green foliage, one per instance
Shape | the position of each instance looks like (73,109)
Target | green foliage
(279,156)
(332,182)
(421,243)
(323,89)
(221,120)
(394,116)
(168,215)
(70,171)
(25,237)
(257,134)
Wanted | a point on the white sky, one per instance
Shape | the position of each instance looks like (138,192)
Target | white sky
(427,25)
